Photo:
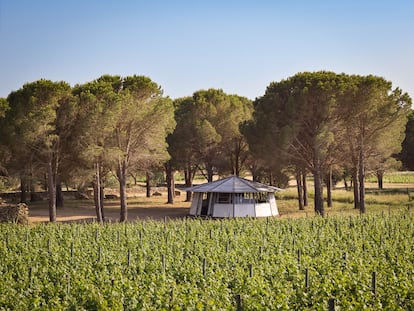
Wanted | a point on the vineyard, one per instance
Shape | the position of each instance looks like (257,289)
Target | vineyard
(347,263)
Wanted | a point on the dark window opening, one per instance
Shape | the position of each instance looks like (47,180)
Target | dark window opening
(224,198)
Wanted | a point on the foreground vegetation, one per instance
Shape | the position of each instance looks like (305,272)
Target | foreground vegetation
(192,264)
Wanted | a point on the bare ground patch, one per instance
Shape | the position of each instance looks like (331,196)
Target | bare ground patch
(138,208)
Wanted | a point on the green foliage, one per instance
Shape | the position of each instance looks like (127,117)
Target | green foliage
(406,156)
(122,125)
(294,124)
(197,264)
(319,120)
(207,134)
(4,106)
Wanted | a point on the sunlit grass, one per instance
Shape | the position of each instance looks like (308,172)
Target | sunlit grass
(388,200)
(406,177)
(377,201)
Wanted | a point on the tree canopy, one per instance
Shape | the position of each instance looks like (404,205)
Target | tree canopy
(37,122)
(316,119)
(207,136)
(315,122)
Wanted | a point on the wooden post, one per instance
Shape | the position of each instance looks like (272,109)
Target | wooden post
(307,278)
(68,286)
(171,295)
(374,283)
(239,306)
(163,263)
(344,258)
(30,276)
(250,270)
(99,254)
(331,304)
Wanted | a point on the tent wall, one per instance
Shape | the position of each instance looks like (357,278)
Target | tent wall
(195,208)
(225,205)
(273,204)
(244,210)
(263,210)
(222,210)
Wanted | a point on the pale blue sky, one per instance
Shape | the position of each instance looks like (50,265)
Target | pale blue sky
(237,45)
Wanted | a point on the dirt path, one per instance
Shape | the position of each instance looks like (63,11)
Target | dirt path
(154,208)
(88,214)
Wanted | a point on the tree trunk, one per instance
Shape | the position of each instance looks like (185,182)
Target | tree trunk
(52,192)
(23,189)
(102,196)
(329,188)
(255,173)
(173,183)
(361,175)
(97,194)
(305,189)
(188,176)
(237,167)
(32,188)
(318,200)
(210,173)
(237,154)
(345,184)
(170,183)
(380,177)
(300,190)
(148,184)
(355,187)
(121,172)
(59,195)
(134,177)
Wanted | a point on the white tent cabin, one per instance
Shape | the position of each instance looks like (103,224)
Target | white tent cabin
(233,197)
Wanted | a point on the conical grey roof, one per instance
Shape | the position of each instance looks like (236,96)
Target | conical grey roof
(233,184)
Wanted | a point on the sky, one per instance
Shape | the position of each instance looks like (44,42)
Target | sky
(240,46)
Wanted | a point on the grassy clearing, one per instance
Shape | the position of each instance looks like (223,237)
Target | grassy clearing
(139,206)
(376,201)
(406,177)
